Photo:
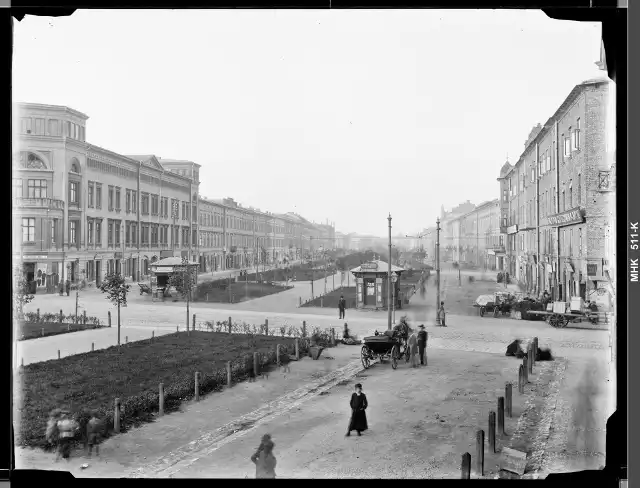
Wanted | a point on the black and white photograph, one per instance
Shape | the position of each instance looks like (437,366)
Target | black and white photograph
(196,194)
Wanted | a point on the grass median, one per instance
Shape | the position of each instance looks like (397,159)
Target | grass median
(132,373)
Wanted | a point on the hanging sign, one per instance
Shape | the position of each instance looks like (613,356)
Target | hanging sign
(572,216)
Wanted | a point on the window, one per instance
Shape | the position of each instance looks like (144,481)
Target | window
(134,201)
(28,230)
(117,199)
(117,232)
(25,124)
(110,198)
(134,234)
(54,128)
(98,195)
(567,147)
(73,232)
(127,233)
(575,136)
(110,233)
(564,202)
(145,204)
(98,233)
(39,127)
(90,232)
(37,188)
(553,155)
(90,193)
(128,201)
(570,194)
(579,195)
(547,160)
(73,192)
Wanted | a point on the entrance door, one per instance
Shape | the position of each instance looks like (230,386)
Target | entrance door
(98,273)
(370,292)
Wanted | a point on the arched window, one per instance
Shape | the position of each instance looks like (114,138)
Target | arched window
(30,160)
(75,166)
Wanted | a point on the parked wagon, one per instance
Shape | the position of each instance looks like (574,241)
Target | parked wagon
(383,346)
(145,288)
(496,304)
(560,314)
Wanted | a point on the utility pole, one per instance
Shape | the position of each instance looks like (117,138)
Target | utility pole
(438,270)
(389,279)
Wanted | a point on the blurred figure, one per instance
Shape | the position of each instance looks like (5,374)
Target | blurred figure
(342,305)
(442,314)
(52,428)
(67,429)
(412,343)
(583,435)
(264,459)
(95,431)
(422,344)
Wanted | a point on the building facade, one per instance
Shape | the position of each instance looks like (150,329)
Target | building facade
(556,200)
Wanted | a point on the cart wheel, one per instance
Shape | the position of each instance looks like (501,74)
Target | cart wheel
(563,323)
(553,321)
(365,355)
(395,354)
(481,311)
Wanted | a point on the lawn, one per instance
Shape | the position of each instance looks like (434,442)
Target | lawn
(219,292)
(33,330)
(133,373)
(330,300)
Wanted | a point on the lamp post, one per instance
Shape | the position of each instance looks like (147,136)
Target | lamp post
(394,279)
(389,278)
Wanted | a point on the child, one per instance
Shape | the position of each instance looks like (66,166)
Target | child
(94,433)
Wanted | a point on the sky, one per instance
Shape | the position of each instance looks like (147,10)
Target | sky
(345,115)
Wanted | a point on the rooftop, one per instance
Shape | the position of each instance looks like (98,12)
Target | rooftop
(382,267)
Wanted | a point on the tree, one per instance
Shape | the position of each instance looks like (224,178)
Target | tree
(116,289)
(183,279)
(21,295)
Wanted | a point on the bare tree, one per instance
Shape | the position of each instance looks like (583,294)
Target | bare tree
(116,289)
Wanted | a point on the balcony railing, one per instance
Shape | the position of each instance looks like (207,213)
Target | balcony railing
(49,203)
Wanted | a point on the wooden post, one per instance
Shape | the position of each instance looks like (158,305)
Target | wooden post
(297,349)
(177,328)
(492,431)
(521,379)
(22,362)
(193,326)
(58,353)
(228,373)
(256,364)
(501,416)
(84,317)
(525,366)
(42,332)
(333,336)
(197,387)
(266,327)
(92,347)
(61,315)
(304,328)
(116,416)
(480,452)
(126,339)
(68,327)
(465,469)
(229,325)
(153,334)
(109,317)
(161,400)
(321,302)
(38,315)
(278,354)
(508,395)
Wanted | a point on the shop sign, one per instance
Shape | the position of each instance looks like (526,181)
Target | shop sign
(573,216)
(512,229)
(369,266)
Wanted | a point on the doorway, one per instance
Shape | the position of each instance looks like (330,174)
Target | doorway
(98,273)
(370,292)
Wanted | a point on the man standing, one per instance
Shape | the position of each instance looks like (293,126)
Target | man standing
(422,345)
(412,343)
(442,314)
(67,286)
(342,305)
(358,404)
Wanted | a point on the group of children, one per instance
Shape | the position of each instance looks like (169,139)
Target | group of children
(63,428)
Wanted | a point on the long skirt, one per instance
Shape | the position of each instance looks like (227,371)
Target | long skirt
(64,447)
(358,421)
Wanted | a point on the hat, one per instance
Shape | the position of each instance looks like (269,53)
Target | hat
(358,385)
(421,326)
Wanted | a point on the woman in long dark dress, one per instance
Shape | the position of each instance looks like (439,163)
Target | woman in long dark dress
(359,404)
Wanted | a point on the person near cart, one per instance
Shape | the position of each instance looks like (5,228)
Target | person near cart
(422,345)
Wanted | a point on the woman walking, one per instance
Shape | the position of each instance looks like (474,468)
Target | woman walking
(264,459)
(359,404)
(413,349)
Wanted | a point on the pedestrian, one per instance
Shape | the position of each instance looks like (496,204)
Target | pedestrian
(95,430)
(442,314)
(359,404)
(264,459)
(61,288)
(342,305)
(67,286)
(67,428)
(412,343)
(422,345)
(51,433)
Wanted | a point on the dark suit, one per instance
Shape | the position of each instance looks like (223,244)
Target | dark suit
(342,305)
(422,345)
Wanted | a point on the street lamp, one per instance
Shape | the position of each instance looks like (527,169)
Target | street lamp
(394,279)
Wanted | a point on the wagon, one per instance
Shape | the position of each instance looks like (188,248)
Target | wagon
(498,303)
(558,315)
(388,345)
(144,288)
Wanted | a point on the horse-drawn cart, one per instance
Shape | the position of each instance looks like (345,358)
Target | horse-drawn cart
(559,314)
(392,344)
(498,303)
(144,288)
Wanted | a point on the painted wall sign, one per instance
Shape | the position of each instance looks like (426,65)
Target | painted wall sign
(566,218)
(369,266)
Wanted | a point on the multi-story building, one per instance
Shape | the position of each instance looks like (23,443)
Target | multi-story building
(558,199)
(477,235)
(450,231)
(81,211)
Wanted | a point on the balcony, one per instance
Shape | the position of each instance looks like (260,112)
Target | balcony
(47,203)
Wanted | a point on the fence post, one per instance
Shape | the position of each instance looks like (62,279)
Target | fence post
(266,327)
(126,339)
(465,469)
(92,347)
(525,366)
(508,395)
(58,353)
(480,452)
(255,364)
(501,430)
(297,349)
(492,431)
(161,400)
(228,373)
(193,326)
(153,335)
(84,317)
(61,315)
(38,315)
(109,316)
(278,354)
(197,388)
(531,359)
(333,336)
(229,325)
(116,416)
(304,328)
(521,379)
(177,328)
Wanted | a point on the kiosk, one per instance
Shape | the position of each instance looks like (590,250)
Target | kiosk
(371,284)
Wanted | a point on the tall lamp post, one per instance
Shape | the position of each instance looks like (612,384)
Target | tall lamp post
(389,279)
(394,279)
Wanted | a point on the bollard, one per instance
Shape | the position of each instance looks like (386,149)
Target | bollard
(109,317)
(321,302)
(229,325)
(521,379)
(126,339)
(177,328)
(58,353)
(255,364)
(465,468)
(304,328)
(43,332)
(153,334)
(501,416)
(193,326)
(197,387)
(508,399)
(266,327)
(333,336)
(525,366)
(228,373)
(38,314)
(297,349)
(92,347)
(480,452)
(492,431)
(535,352)
(61,315)
(161,400)
(116,416)
(278,354)
(22,362)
